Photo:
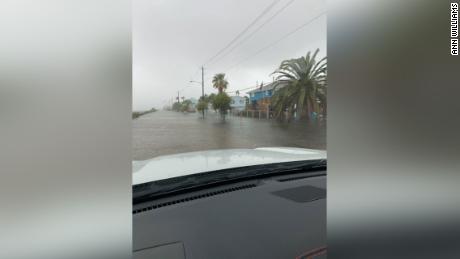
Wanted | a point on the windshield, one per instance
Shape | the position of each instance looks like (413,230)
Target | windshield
(214,93)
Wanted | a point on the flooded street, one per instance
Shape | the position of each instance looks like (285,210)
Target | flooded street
(168,132)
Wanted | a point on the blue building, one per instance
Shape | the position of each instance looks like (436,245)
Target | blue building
(260,97)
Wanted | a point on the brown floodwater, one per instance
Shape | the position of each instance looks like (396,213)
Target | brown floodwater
(168,132)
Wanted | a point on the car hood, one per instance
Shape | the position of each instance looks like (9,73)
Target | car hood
(164,167)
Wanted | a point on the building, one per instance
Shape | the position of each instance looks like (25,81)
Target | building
(260,98)
(238,103)
(193,103)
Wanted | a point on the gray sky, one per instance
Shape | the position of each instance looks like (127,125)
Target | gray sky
(173,38)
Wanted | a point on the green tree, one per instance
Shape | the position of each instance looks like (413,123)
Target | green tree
(202,105)
(221,103)
(303,82)
(219,82)
(210,98)
(185,106)
(176,106)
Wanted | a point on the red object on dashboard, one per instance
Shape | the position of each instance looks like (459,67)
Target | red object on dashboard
(313,253)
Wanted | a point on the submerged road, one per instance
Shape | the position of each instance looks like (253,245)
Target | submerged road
(167,132)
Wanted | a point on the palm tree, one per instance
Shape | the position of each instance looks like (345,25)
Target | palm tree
(219,82)
(304,83)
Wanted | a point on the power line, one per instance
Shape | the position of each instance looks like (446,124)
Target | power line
(243,89)
(192,78)
(272,44)
(244,31)
(275,42)
(255,31)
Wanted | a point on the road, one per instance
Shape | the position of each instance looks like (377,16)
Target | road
(167,132)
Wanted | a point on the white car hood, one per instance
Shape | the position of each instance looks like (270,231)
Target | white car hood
(164,167)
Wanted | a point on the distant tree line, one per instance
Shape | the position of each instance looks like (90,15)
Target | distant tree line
(138,114)
(183,106)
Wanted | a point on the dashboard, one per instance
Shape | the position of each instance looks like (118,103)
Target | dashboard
(275,217)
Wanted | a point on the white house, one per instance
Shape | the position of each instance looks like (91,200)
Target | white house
(238,103)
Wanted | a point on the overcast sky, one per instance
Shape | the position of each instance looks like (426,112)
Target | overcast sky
(173,38)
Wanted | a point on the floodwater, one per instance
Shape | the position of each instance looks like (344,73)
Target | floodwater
(168,132)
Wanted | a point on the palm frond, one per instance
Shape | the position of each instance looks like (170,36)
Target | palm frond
(304,81)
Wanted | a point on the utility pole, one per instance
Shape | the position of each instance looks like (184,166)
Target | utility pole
(202,86)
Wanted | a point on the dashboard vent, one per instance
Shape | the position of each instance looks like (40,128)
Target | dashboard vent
(194,197)
(293,178)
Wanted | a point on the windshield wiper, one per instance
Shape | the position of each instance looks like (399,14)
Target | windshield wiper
(156,189)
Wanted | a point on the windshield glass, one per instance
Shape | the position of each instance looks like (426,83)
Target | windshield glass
(218,92)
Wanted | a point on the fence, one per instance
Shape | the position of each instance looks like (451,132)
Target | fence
(266,114)
(257,114)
